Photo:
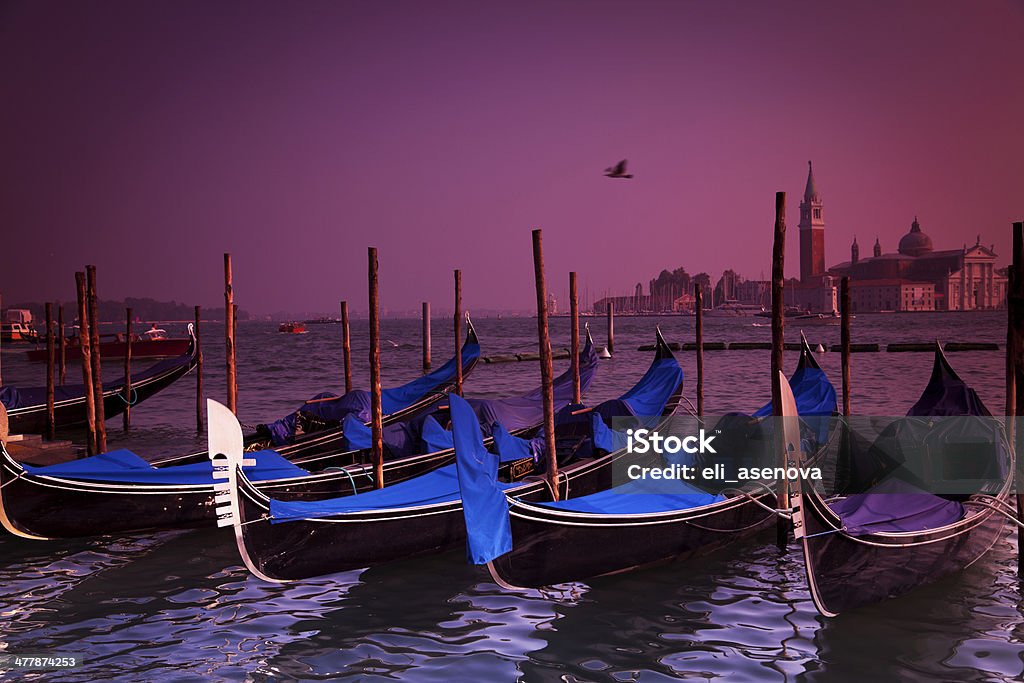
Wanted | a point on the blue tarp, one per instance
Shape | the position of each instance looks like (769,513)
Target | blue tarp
(511,447)
(488,530)
(439,486)
(814,394)
(649,396)
(125,467)
(894,506)
(357,401)
(527,410)
(641,496)
(435,437)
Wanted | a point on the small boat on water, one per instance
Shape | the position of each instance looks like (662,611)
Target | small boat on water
(282,540)
(292,328)
(894,536)
(153,343)
(26,408)
(119,492)
(635,524)
(17,326)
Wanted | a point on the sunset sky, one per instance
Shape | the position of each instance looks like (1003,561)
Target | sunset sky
(150,137)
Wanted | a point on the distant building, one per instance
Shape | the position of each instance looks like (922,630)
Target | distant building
(552,304)
(915,278)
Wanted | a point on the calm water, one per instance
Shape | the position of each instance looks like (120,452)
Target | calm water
(177,606)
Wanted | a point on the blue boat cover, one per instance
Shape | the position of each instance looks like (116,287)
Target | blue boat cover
(485,507)
(606,438)
(13,398)
(648,397)
(641,496)
(527,410)
(358,434)
(815,396)
(511,447)
(893,506)
(435,437)
(357,401)
(125,467)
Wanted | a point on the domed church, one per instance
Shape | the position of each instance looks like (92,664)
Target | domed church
(914,278)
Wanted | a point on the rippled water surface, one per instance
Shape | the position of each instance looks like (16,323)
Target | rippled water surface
(178,606)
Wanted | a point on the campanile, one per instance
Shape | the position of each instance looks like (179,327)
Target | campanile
(812,232)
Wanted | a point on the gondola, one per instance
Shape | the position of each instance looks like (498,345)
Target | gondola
(26,408)
(635,524)
(281,541)
(118,492)
(877,544)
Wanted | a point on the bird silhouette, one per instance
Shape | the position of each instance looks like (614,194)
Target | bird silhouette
(617,171)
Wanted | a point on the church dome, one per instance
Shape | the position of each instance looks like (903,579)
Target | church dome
(915,242)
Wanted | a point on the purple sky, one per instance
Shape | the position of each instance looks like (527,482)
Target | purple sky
(148,138)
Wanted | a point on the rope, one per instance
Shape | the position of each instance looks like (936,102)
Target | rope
(825,533)
(132,401)
(784,513)
(1012,518)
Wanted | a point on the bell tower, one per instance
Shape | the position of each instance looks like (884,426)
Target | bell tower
(812,232)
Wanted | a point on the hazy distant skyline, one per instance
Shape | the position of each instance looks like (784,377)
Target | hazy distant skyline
(149,138)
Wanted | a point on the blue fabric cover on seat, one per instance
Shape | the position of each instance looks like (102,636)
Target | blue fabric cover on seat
(511,447)
(893,506)
(641,496)
(358,434)
(435,437)
(125,467)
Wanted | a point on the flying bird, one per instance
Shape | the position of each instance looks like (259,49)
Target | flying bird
(617,171)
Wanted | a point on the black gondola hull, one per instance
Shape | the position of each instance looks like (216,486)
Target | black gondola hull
(303,549)
(846,572)
(553,547)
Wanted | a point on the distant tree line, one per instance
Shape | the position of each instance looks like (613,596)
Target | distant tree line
(142,309)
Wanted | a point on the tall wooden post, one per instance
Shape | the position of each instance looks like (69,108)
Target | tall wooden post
(844,339)
(574,343)
(127,416)
(229,336)
(698,303)
(426,336)
(778,346)
(611,327)
(199,372)
(86,348)
(62,357)
(97,373)
(1015,370)
(458,332)
(377,418)
(346,346)
(544,341)
(51,426)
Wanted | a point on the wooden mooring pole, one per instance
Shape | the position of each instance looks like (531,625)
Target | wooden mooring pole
(51,426)
(86,349)
(62,357)
(844,339)
(426,336)
(544,342)
(127,417)
(97,372)
(458,332)
(346,346)
(611,327)
(229,337)
(574,338)
(376,417)
(199,372)
(1015,373)
(698,303)
(778,346)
